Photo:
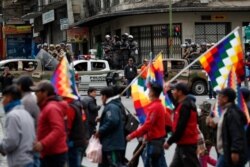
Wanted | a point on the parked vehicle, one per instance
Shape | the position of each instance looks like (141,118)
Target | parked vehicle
(195,76)
(96,73)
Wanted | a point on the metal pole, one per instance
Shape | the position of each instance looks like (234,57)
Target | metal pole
(170,31)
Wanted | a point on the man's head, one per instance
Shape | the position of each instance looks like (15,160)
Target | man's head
(6,69)
(106,93)
(226,96)
(130,61)
(45,46)
(24,83)
(180,90)
(145,62)
(11,93)
(43,90)
(92,92)
(154,91)
(51,47)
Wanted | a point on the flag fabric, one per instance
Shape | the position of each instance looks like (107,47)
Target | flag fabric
(140,98)
(140,88)
(219,60)
(232,83)
(63,80)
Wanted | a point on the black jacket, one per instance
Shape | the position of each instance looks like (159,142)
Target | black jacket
(130,72)
(6,80)
(233,134)
(91,108)
(78,132)
(111,126)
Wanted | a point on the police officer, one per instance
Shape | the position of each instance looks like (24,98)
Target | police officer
(133,45)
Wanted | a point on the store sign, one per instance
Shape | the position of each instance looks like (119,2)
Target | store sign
(64,24)
(48,16)
(218,17)
(12,29)
(77,35)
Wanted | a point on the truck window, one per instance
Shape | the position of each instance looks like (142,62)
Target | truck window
(81,66)
(13,66)
(95,66)
(29,65)
(178,65)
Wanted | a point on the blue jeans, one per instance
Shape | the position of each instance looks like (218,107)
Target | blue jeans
(57,160)
(30,165)
(37,160)
(151,160)
(128,92)
(75,157)
(222,163)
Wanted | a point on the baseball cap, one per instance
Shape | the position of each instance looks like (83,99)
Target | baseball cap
(181,87)
(44,85)
(229,93)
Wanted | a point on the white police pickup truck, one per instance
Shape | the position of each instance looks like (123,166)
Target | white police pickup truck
(96,73)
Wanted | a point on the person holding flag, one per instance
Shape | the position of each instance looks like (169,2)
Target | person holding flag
(153,129)
(185,132)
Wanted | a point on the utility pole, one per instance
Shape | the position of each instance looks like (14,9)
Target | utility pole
(170,31)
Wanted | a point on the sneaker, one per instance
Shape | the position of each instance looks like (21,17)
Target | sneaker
(208,98)
(127,97)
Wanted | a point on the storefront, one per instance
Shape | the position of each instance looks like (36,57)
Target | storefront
(18,41)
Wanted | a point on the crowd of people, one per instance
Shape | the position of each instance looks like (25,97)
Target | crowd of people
(58,51)
(193,50)
(44,129)
(118,50)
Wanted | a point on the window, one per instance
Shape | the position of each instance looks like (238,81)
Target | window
(81,66)
(29,65)
(211,32)
(155,38)
(95,66)
(13,66)
(177,65)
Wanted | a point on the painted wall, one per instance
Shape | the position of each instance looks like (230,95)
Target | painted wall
(187,20)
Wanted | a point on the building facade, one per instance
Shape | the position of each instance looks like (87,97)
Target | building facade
(148,21)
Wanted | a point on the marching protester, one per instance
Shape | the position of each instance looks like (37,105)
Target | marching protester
(51,132)
(231,139)
(111,130)
(143,68)
(28,99)
(185,132)
(153,129)
(76,132)
(20,130)
(208,133)
(91,108)
(130,72)
(246,95)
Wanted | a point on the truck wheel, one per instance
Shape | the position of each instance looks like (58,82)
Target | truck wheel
(199,88)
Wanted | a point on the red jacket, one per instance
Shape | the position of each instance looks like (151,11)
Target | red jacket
(51,127)
(185,124)
(154,126)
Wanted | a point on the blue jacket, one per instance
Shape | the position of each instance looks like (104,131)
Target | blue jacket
(111,126)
